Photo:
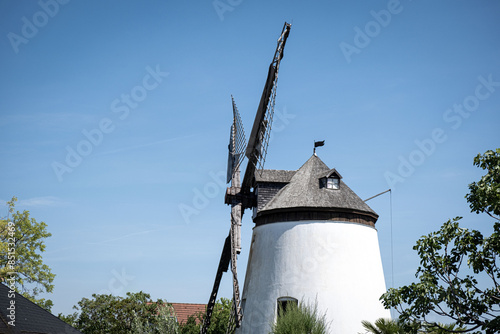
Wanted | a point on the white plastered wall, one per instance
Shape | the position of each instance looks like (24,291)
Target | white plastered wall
(336,264)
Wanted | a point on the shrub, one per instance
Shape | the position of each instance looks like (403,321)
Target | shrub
(300,319)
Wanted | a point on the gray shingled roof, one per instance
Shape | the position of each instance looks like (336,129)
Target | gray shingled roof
(303,191)
(29,317)
(330,172)
(273,175)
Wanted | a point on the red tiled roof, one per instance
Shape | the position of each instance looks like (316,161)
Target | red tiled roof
(184,310)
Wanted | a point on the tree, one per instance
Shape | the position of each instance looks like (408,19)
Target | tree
(445,287)
(192,325)
(164,322)
(484,195)
(384,326)
(300,318)
(219,321)
(22,240)
(135,313)
(389,326)
(220,316)
(443,329)
(70,319)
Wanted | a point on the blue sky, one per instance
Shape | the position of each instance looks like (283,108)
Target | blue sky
(405,94)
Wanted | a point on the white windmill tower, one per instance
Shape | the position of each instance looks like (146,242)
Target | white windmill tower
(314,239)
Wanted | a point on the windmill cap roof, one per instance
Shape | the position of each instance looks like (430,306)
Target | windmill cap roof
(273,175)
(303,191)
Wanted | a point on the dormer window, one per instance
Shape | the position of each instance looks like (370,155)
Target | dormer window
(330,180)
(332,183)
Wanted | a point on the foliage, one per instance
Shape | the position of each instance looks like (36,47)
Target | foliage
(136,313)
(22,240)
(469,296)
(70,319)
(300,318)
(192,325)
(484,195)
(218,324)
(384,326)
(442,329)
(166,322)
(443,289)
(389,326)
(220,316)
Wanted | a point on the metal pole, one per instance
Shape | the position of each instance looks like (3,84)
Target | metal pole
(383,192)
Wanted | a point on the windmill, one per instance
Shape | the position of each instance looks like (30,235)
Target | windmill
(239,195)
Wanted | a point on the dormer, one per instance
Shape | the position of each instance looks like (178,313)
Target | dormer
(330,180)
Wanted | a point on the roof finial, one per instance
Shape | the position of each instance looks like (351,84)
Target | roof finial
(318,143)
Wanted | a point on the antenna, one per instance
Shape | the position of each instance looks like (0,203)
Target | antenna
(383,192)
(392,239)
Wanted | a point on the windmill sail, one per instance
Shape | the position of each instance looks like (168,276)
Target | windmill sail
(258,142)
(237,142)
(238,195)
(223,265)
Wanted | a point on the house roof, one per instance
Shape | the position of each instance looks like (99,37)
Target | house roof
(303,191)
(183,311)
(29,317)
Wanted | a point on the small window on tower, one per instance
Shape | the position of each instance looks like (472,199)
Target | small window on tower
(332,183)
(284,304)
(330,180)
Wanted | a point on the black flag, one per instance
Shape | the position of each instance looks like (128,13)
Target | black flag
(319,143)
